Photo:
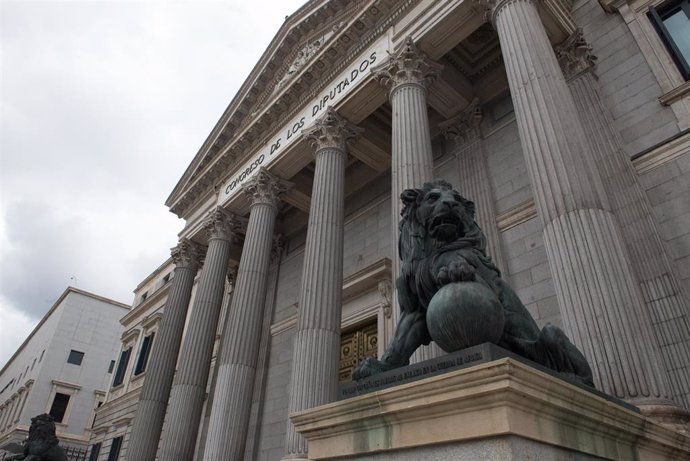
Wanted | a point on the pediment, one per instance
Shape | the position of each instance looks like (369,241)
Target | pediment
(305,36)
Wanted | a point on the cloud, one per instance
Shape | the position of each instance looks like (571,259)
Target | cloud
(104,104)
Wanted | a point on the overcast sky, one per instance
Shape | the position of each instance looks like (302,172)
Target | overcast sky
(103,106)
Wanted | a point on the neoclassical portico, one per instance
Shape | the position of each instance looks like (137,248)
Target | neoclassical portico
(447,74)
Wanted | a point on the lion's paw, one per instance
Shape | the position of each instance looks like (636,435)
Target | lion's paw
(370,367)
(456,271)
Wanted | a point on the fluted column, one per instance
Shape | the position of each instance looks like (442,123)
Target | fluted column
(464,130)
(595,287)
(316,350)
(189,386)
(238,357)
(407,74)
(660,289)
(148,421)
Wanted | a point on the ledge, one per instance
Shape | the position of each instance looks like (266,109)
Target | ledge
(675,94)
(482,404)
(516,215)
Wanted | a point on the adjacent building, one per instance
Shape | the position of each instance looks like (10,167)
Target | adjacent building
(62,369)
(566,122)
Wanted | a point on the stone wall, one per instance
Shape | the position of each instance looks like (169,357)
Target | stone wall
(628,87)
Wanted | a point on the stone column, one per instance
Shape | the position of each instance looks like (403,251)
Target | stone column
(237,359)
(189,387)
(596,290)
(407,74)
(660,289)
(148,421)
(316,350)
(474,183)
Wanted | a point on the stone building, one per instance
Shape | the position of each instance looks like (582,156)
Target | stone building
(62,369)
(567,122)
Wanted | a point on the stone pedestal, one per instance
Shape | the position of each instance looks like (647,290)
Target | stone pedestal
(501,410)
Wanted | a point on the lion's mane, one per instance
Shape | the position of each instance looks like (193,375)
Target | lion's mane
(418,249)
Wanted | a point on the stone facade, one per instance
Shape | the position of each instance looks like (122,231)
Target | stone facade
(67,356)
(567,124)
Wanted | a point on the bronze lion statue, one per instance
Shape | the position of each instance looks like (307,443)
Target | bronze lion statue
(42,443)
(440,243)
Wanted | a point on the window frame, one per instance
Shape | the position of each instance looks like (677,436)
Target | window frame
(64,411)
(144,353)
(657,14)
(95,451)
(122,365)
(115,448)
(75,353)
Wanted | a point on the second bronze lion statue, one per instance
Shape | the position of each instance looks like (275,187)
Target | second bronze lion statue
(440,243)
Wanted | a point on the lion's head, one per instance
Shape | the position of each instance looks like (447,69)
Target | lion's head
(433,217)
(43,428)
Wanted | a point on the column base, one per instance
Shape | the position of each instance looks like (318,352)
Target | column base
(498,410)
(666,413)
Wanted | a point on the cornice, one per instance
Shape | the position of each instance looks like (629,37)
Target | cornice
(369,24)
(274,62)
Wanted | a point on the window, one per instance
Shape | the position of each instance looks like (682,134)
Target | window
(672,21)
(59,407)
(144,296)
(144,354)
(122,367)
(111,366)
(166,279)
(42,352)
(115,449)
(95,451)
(75,357)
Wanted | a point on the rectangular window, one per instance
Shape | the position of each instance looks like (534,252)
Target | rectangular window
(75,357)
(59,407)
(144,354)
(115,449)
(111,367)
(95,451)
(672,21)
(122,367)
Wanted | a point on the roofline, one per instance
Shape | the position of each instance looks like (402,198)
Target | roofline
(52,309)
(156,271)
(239,97)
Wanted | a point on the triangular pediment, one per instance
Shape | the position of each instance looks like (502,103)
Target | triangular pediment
(304,36)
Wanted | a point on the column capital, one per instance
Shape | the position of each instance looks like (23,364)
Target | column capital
(407,66)
(265,188)
(464,127)
(332,131)
(575,55)
(222,224)
(187,254)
